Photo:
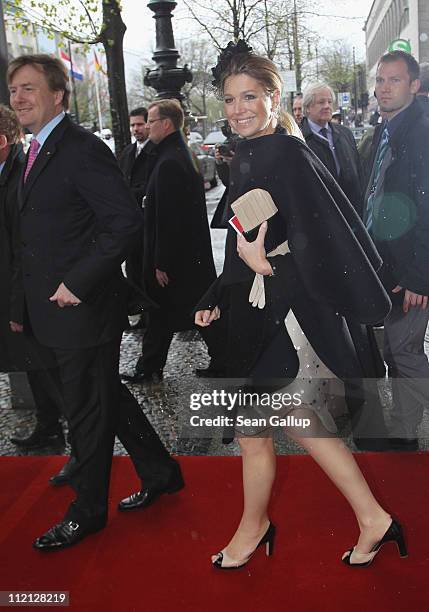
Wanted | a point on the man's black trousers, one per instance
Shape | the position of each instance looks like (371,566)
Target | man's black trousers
(98,406)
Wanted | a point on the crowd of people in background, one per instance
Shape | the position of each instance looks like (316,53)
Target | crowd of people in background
(72,214)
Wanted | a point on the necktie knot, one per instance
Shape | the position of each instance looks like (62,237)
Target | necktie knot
(32,154)
(139,148)
(34,145)
(324,132)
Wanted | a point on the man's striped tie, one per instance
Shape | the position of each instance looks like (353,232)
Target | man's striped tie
(34,149)
(381,152)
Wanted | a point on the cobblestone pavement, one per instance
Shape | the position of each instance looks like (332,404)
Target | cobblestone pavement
(166,403)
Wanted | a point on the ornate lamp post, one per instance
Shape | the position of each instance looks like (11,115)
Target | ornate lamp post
(167,78)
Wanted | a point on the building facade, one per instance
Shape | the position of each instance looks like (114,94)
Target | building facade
(33,40)
(389,20)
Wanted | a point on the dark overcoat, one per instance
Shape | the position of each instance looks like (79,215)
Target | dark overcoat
(137,171)
(176,233)
(328,277)
(78,219)
(400,226)
(350,177)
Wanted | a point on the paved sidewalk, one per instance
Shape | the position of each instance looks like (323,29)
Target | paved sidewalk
(164,404)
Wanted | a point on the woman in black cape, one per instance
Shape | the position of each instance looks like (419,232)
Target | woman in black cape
(329,267)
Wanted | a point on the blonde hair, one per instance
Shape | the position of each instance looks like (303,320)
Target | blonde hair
(290,125)
(265,72)
(310,95)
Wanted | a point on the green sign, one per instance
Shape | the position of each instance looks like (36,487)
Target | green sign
(400,44)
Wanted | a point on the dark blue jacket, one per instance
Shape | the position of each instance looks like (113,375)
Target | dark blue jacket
(350,176)
(401,218)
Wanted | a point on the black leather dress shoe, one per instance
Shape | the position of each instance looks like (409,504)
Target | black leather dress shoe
(372,445)
(64,534)
(146,497)
(39,439)
(209,373)
(409,445)
(143,377)
(65,473)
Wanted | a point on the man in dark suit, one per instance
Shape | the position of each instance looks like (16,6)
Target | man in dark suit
(137,159)
(19,352)
(78,218)
(333,144)
(397,217)
(136,162)
(178,263)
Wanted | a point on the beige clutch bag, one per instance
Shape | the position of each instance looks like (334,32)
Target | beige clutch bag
(253,208)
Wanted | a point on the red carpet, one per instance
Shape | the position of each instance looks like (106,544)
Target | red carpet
(157,560)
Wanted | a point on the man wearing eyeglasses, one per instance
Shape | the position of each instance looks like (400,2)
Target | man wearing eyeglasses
(178,262)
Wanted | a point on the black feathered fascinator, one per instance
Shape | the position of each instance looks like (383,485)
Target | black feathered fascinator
(231,50)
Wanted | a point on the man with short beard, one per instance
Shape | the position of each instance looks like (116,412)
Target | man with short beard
(136,162)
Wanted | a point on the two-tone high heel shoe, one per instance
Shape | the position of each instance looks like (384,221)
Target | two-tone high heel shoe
(393,534)
(224,562)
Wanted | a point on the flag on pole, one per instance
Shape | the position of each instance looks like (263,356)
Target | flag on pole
(76,73)
(97,64)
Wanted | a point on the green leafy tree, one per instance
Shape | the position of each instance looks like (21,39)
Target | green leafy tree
(86,22)
(336,66)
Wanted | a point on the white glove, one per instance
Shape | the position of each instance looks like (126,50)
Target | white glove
(257,292)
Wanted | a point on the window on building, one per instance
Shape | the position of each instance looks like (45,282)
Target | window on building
(395,20)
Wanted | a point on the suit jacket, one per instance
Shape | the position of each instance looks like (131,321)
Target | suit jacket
(78,218)
(137,170)
(176,233)
(350,176)
(401,217)
(18,351)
